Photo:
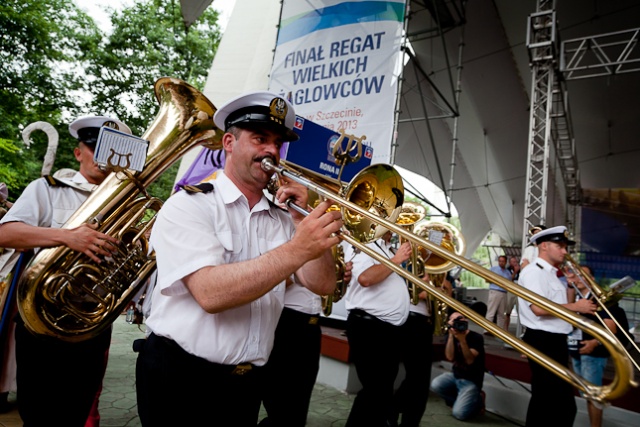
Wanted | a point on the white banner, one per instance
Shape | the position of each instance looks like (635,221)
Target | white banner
(338,62)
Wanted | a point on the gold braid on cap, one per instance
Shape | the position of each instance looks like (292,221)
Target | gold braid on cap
(278,110)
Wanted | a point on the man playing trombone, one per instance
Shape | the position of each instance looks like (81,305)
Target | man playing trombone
(224,253)
(546,333)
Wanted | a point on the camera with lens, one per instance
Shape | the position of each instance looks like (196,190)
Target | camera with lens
(459,325)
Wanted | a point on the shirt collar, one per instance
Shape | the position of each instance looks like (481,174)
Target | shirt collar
(545,265)
(230,193)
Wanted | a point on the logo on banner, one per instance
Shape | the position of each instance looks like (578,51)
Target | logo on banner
(368,152)
(331,143)
(299,124)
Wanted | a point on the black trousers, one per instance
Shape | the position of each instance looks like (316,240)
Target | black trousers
(375,351)
(550,396)
(291,372)
(58,381)
(176,388)
(416,354)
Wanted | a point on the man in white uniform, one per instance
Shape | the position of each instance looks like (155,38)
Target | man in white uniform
(378,305)
(546,333)
(223,255)
(58,381)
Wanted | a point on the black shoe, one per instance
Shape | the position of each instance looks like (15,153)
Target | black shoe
(5,405)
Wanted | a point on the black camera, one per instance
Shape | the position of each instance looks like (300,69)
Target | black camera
(459,325)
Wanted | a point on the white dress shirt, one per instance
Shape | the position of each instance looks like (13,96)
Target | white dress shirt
(299,298)
(208,229)
(43,205)
(387,300)
(540,277)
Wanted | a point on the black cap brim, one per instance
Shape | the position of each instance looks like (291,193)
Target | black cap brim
(560,239)
(287,134)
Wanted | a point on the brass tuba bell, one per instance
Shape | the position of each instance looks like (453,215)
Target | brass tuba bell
(449,238)
(63,293)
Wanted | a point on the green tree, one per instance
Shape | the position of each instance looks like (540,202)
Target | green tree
(40,45)
(58,65)
(149,41)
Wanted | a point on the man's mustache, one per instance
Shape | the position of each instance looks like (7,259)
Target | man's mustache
(259,159)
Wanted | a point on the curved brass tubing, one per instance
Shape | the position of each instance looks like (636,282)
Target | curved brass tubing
(623,369)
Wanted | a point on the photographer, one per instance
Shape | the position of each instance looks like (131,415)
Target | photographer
(462,388)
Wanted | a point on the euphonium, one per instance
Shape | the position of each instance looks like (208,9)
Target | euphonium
(449,238)
(63,293)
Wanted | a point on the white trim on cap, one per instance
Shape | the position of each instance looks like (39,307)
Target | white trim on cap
(560,229)
(95,122)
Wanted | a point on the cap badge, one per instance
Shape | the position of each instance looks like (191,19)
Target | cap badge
(278,110)
(111,124)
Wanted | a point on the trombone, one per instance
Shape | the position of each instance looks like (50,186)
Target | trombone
(351,211)
(603,299)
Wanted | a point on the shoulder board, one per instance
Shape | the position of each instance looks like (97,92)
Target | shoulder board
(200,188)
(277,207)
(539,266)
(54,182)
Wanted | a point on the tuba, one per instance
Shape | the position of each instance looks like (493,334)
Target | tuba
(64,294)
(450,239)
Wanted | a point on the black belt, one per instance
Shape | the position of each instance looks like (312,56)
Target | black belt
(416,314)
(171,345)
(299,316)
(361,314)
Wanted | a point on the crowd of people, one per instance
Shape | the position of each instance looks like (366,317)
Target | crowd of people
(233,319)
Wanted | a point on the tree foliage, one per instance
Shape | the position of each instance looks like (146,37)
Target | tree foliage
(57,65)
(149,41)
(39,44)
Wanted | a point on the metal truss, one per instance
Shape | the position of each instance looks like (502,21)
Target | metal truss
(550,118)
(601,55)
(549,122)
(541,43)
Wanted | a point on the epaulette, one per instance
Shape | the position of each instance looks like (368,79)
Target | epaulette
(54,182)
(205,187)
(277,207)
(539,266)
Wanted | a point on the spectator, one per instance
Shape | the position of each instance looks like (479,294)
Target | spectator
(514,268)
(498,295)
